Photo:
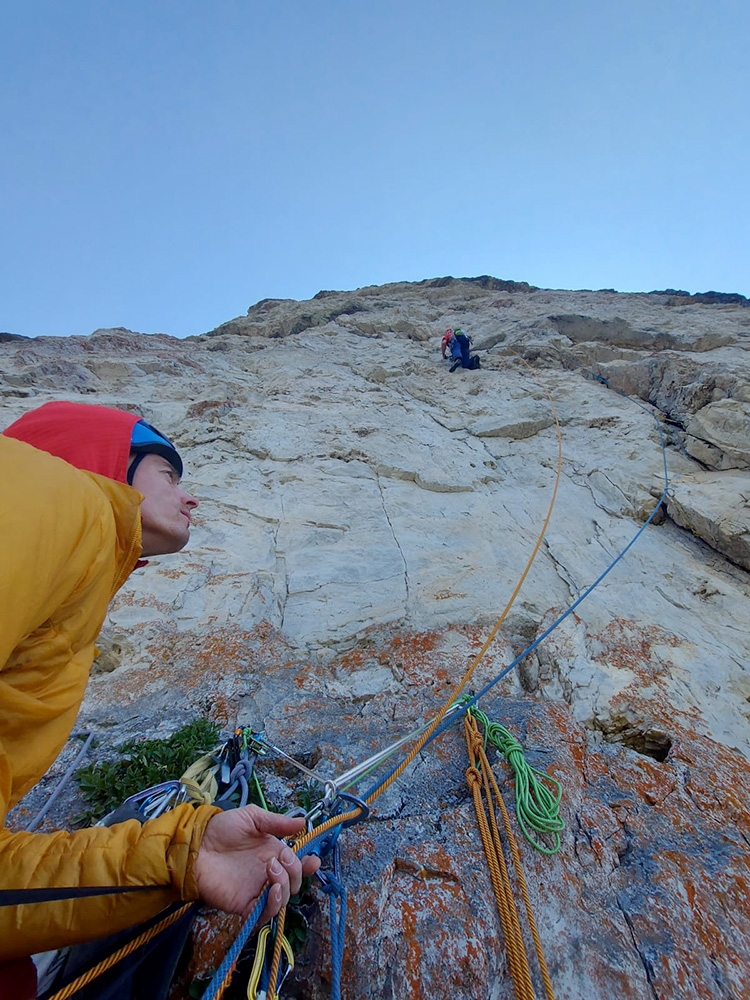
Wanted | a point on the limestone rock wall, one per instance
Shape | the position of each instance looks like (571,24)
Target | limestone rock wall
(365,515)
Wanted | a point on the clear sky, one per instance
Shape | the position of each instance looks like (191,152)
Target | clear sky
(166,163)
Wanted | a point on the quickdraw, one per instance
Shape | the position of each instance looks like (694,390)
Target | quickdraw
(260,974)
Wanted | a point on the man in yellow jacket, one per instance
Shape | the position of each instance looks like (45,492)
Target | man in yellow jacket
(85,492)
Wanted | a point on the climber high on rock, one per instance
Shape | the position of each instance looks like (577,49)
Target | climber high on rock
(456,347)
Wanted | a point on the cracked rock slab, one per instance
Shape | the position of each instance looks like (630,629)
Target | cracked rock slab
(716,507)
(723,425)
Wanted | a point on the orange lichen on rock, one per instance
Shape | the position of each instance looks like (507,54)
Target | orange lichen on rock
(647,894)
(630,646)
(217,664)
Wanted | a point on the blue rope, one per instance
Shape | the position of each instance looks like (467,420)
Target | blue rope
(336,891)
(231,957)
(333,886)
(459,713)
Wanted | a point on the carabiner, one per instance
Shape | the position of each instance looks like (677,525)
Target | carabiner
(150,796)
(364,809)
(258,985)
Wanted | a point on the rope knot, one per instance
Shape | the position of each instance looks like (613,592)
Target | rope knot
(473,776)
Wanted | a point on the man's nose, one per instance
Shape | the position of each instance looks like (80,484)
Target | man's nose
(189,500)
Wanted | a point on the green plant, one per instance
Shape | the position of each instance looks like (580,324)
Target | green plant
(296,924)
(106,784)
(308,795)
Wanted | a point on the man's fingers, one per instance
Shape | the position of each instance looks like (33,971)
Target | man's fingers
(293,866)
(275,823)
(278,893)
(274,903)
(298,868)
(310,864)
(278,876)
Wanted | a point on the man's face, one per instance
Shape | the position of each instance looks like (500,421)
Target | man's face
(166,508)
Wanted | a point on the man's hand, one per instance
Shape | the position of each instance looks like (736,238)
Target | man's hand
(240,852)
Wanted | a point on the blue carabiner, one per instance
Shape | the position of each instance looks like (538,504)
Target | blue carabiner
(364,809)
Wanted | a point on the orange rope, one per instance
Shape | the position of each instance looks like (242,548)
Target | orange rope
(513,844)
(518,961)
(225,981)
(127,949)
(276,959)
(305,839)
(517,956)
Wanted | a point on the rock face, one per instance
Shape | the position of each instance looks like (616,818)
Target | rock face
(365,515)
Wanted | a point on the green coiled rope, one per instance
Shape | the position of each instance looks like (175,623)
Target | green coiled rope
(537,793)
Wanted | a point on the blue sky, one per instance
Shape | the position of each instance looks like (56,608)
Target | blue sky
(166,163)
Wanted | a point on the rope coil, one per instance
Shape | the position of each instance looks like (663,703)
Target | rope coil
(537,805)
(485,791)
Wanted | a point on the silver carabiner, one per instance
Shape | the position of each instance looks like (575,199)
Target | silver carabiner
(153,801)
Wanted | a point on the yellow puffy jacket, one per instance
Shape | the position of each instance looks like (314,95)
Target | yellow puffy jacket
(69,539)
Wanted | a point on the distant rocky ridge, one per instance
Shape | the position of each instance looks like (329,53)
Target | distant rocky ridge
(364,517)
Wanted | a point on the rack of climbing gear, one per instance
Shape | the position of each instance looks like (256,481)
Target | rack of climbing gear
(158,799)
(225,776)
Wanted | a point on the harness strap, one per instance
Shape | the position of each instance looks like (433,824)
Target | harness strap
(21,897)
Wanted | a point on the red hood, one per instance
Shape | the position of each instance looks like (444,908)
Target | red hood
(93,438)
